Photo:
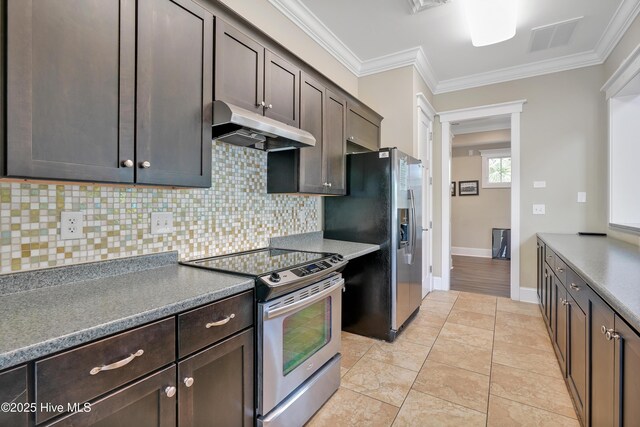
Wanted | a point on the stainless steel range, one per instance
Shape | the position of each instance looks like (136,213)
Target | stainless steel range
(298,316)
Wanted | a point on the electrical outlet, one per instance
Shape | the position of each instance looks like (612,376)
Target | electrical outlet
(539,184)
(161,222)
(582,197)
(71,225)
(538,209)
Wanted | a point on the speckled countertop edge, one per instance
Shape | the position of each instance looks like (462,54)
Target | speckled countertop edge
(106,306)
(588,273)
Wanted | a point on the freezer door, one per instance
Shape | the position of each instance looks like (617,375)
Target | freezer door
(406,236)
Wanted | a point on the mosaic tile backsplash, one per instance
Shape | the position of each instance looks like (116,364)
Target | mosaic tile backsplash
(235,214)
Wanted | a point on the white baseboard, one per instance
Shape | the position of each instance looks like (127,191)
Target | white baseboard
(476,252)
(529,295)
(437,284)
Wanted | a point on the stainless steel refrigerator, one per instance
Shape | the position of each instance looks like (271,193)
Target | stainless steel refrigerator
(382,206)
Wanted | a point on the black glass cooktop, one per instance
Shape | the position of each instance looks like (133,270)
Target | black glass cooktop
(259,262)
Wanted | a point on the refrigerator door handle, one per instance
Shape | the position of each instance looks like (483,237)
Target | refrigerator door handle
(413,226)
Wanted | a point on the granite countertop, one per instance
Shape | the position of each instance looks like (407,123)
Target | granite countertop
(314,242)
(611,267)
(47,319)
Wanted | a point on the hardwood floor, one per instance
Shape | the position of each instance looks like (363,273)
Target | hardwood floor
(481,275)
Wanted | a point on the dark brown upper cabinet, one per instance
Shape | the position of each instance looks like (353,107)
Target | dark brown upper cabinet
(363,128)
(72,112)
(319,169)
(254,78)
(70,89)
(174,93)
(334,146)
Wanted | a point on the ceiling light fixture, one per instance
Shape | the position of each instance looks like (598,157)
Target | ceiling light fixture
(491,21)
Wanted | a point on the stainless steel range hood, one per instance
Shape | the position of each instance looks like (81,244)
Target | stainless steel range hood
(237,126)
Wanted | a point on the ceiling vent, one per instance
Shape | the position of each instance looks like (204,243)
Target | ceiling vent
(553,35)
(420,5)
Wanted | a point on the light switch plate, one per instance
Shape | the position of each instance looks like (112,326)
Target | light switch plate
(161,222)
(538,209)
(582,197)
(71,225)
(539,184)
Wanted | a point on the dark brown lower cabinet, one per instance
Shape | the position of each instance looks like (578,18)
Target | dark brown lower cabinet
(150,402)
(577,355)
(13,389)
(547,292)
(627,375)
(602,354)
(559,324)
(216,385)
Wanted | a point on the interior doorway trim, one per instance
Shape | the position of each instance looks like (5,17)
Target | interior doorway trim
(426,110)
(514,109)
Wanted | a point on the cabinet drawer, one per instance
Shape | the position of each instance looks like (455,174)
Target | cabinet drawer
(206,325)
(561,270)
(549,257)
(577,288)
(75,376)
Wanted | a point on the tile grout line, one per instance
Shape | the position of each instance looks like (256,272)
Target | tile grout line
(493,342)
(425,359)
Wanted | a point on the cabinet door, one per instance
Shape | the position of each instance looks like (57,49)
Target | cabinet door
(602,356)
(548,292)
(239,69)
(560,323)
(174,95)
(70,89)
(281,89)
(13,389)
(362,128)
(577,355)
(150,402)
(216,385)
(627,375)
(334,144)
(540,270)
(312,99)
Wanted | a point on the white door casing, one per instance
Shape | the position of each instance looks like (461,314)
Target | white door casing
(426,114)
(514,109)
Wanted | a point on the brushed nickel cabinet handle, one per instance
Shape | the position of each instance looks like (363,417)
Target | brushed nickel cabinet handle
(221,322)
(188,381)
(145,165)
(261,104)
(575,287)
(603,329)
(611,335)
(560,270)
(127,163)
(170,391)
(351,138)
(116,365)
(269,106)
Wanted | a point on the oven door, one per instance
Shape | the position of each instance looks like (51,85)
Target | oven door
(298,333)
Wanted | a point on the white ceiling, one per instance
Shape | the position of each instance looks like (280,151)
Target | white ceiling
(370,36)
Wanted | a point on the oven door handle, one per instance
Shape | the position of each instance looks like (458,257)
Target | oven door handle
(305,302)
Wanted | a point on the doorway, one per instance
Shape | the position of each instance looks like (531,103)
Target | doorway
(426,114)
(481,206)
(513,111)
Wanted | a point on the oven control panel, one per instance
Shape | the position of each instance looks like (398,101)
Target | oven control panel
(304,271)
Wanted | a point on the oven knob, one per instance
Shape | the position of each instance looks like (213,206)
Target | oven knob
(275,277)
(334,259)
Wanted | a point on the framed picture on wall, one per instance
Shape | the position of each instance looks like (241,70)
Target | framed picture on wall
(468,188)
(453,188)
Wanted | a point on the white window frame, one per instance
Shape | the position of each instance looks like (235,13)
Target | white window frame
(493,154)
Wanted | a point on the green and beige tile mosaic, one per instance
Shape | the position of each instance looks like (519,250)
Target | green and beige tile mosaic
(235,214)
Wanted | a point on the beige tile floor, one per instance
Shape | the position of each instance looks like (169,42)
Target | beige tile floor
(465,360)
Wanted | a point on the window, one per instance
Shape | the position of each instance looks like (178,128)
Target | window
(496,168)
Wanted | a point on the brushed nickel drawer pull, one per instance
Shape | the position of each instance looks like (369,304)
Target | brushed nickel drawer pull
(575,287)
(221,322)
(118,364)
(560,270)
(170,391)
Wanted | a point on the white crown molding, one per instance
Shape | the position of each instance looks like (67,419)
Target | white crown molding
(299,14)
(519,72)
(420,5)
(423,103)
(308,22)
(627,71)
